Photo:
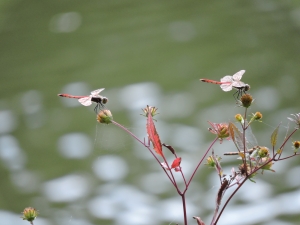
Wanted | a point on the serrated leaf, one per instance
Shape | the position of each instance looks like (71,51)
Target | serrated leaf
(274,136)
(153,136)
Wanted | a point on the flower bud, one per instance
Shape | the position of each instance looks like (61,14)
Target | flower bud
(246,100)
(210,162)
(29,214)
(263,152)
(239,118)
(296,144)
(149,109)
(220,129)
(104,116)
(257,116)
(223,131)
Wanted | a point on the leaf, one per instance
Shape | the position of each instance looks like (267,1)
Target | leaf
(199,221)
(222,190)
(153,136)
(176,163)
(274,136)
(170,148)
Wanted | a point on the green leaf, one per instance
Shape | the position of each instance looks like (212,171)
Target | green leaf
(274,136)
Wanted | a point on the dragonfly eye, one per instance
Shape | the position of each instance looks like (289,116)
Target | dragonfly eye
(247,87)
(104,100)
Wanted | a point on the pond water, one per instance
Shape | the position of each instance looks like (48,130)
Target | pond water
(54,155)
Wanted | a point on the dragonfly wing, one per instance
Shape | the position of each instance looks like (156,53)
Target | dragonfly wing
(226,79)
(239,139)
(96,92)
(238,84)
(86,101)
(251,139)
(226,87)
(238,76)
(226,83)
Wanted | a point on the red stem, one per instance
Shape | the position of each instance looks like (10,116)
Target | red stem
(214,141)
(184,209)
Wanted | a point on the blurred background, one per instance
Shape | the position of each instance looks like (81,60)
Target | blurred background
(56,158)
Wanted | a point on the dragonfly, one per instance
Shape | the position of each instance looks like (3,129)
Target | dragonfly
(237,138)
(248,151)
(228,82)
(88,100)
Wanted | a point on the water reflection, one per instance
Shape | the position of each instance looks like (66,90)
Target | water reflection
(11,154)
(75,145)
(65,22)
(110,168)
(268,98)
(32,103)
(143,53)
(26,181)
(66,189)
(182,31)
(131,206)
(137,96)
(8,121)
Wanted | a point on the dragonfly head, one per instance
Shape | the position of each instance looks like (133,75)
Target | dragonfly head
(247,87)
(104,100)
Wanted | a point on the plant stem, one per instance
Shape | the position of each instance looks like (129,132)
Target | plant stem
(200,163)
(184,208)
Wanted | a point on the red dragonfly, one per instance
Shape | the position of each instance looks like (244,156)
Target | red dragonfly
(88,100)
(228,82)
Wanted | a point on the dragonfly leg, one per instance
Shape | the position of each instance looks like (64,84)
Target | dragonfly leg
(98,108)
(236,97)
